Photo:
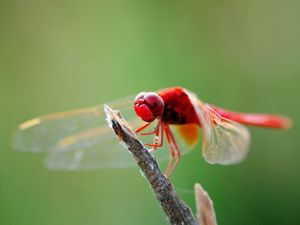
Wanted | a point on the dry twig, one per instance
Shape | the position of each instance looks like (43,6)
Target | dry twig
(175,209)
(205,209)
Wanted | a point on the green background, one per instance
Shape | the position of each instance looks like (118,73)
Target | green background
(59,55)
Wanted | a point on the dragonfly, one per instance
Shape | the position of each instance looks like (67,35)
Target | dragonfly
(81,140)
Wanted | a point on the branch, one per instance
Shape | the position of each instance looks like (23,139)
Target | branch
(205,209)
(175,209)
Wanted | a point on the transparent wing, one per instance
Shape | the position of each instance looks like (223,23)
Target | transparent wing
(224,141)
(91,149)
(99,148)
(43,133)
(81,139)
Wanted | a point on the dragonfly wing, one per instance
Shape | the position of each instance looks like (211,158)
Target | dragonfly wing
(99,148)
(228,142)
(91,149)
(189,133)
(186,136)
(43,133)
(81,139)
(224,141)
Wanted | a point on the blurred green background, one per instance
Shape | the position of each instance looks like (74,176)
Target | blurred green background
(59,55)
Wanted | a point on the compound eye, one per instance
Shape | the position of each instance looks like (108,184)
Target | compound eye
(140,96)
(142,109)
(155,103)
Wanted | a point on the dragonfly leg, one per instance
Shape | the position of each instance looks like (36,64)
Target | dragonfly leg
(156,130)
(143,127)
(158,138)
(178,154)
(172,152)
(158,135)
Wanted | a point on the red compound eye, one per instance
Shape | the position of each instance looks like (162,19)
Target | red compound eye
(148,106)
(155,103)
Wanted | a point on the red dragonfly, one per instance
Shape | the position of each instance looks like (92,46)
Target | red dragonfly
(81,139)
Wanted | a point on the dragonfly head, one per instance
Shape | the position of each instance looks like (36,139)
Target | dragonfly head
(148,106)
